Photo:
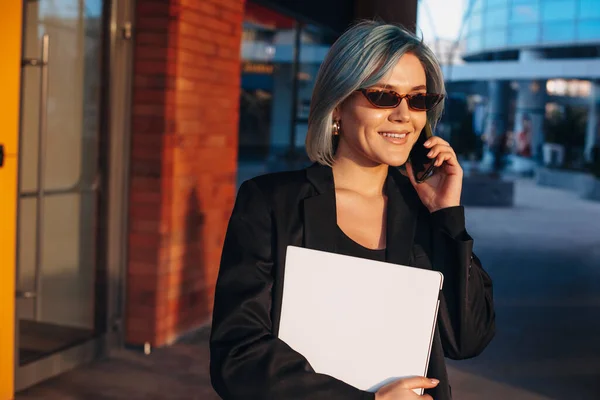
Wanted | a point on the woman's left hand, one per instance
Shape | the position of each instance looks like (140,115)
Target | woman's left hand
(444,188)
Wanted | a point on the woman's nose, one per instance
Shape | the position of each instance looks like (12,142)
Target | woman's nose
(400,113)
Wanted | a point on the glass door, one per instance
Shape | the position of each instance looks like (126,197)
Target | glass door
(58,302)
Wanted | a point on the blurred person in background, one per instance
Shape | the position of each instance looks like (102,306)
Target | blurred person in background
(523,139)
(376,90)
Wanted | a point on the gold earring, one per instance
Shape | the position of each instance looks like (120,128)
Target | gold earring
(335,128)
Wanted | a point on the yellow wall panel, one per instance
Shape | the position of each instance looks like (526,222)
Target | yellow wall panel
(10,48)
(10,68)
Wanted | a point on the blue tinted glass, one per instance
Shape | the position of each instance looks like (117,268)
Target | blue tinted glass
(523,34)
(495,3)
(475,22)
(495,38)
(93,8)
(477,4)
(496,17)
(558,32)
(520,13)
(589,9)
(588,30)
(474,43)
(559,10)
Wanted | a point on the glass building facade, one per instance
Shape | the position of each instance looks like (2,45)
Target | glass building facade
(513,24)
(534,61)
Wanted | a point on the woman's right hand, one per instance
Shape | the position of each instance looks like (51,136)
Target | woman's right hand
(402,389)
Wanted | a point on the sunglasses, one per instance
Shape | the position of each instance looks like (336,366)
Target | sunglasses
(390,99)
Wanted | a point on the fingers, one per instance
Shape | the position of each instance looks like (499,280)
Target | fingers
(439,148)
(432,141)
(441,152)
(448,157)
(437,144)
(404,388)
(418,382)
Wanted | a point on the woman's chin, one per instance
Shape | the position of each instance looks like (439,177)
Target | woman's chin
(395,161)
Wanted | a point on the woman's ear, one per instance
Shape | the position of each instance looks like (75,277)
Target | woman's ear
(337,115)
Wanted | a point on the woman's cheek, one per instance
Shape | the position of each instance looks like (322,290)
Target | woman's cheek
(419,121)
(376,119)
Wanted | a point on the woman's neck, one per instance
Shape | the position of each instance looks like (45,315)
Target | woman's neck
(367,180)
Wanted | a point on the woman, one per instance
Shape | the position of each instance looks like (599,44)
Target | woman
(377,88)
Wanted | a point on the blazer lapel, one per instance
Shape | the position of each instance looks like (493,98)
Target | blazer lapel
(320,220)
(402,210)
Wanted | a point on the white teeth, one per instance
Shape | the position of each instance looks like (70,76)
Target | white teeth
(394,135)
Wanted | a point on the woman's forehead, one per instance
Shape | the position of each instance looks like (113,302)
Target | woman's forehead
(408,74)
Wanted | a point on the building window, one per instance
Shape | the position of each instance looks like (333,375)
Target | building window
(589,9)
(496,3)
(496,18)
(524,13)
(475,22)
(523,34)
(559,10)
(495,38)
(474,43)
(571,88)
(588,30)
(267,122)
(263,32)
(558,32)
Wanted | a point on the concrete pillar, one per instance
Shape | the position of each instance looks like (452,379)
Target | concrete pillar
(498,95)
(592,137)
(531,104)
(496,122)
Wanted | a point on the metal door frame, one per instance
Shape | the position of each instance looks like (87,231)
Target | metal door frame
(113,159)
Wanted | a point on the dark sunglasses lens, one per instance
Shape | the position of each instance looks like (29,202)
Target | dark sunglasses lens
(382,99)
(424,101)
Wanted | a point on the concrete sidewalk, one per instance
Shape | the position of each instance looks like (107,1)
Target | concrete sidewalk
(544,257)
(176,372)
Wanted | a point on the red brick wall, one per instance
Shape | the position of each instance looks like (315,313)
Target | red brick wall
(183,161)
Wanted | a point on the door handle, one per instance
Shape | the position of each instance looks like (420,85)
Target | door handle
(42,139)
(1,155)
(25,294)
(41,63)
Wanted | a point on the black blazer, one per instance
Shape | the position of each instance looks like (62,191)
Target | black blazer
(248,361)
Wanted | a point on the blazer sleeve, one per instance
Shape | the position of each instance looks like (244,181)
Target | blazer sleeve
(467,316)
(246,360)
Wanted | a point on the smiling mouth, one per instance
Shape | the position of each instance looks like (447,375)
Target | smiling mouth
(393,135)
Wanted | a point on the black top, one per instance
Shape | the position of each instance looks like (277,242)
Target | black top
(348,247)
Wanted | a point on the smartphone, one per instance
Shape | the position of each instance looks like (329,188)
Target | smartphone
(423,167)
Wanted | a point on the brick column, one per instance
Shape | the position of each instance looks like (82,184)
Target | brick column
(183,161)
